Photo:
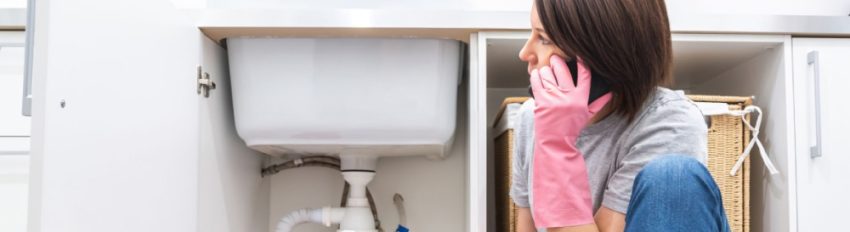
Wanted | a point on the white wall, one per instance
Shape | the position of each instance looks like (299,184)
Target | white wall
(434,190)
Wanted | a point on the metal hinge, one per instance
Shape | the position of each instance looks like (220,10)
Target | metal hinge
(205,84)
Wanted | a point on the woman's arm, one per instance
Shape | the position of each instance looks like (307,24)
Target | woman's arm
(607,220)
(581,228)
(524,223)
(560,181)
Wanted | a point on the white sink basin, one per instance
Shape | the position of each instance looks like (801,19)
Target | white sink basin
(371,96)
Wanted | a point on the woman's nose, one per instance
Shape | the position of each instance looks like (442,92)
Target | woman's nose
(523,52)
(526,55)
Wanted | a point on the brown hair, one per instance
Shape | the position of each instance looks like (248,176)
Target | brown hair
(627,42)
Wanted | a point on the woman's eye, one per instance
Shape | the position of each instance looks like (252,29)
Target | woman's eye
(543,40)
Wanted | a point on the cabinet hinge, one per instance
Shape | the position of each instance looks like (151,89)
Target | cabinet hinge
(205,84)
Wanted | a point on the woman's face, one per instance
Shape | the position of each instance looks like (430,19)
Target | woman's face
(539,47)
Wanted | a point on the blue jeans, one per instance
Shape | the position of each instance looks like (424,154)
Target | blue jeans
(675,193)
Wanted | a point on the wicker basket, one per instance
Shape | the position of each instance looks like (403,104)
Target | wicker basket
(504,145)
(727,138)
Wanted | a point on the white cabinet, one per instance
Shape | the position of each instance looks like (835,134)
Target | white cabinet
(122,141)
(115,117)
(822,73)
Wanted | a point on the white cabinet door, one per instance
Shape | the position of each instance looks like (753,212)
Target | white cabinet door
(115,117)
(823,183)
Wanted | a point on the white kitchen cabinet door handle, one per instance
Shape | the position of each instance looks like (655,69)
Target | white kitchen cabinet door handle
(812,59)
(26,105)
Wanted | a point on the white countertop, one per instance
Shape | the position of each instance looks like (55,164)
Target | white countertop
(505,20)
(493,20)
(475,20)
(218,24)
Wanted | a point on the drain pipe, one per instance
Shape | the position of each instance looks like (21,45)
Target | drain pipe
(358,171)
(326,216)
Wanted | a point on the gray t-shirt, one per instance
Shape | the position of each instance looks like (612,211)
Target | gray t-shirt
(615,150)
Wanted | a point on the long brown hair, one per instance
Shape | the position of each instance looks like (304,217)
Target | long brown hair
(627,42)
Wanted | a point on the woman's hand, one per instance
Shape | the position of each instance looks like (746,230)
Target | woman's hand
(560,183)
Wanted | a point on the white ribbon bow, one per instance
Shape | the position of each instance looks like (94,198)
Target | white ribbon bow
(753,142)
(709,109)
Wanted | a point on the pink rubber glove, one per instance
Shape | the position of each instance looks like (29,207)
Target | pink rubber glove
(561,189)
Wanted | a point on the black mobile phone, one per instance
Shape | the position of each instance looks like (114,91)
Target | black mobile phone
(598,85)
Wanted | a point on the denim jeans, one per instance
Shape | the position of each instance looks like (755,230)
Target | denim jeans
(675,193)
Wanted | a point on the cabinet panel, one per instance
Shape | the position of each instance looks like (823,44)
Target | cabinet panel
(117,111)
(477,169)
(821,73)
(13,192)
(12,122)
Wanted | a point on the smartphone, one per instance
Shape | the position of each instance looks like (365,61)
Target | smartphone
(598,85)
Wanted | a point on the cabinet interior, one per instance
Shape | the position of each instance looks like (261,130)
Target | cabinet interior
(436,192)
(234,197)
(715,64)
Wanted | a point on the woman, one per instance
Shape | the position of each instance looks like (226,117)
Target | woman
(632,160)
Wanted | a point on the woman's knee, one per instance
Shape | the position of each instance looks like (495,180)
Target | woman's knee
(676,193)
(672,170)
